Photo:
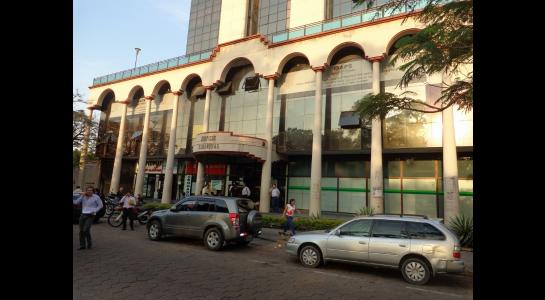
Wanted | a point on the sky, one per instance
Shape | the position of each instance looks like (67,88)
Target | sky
(105,33)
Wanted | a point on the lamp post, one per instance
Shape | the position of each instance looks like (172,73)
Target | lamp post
(136,59)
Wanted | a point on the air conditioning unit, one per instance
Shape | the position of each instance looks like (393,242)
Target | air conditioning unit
(349,120)
(251,83)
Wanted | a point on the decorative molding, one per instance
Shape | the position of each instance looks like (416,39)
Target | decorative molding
(178,93)
(150,97)
(272,76)
(209,87)
(320,68)
(375,58)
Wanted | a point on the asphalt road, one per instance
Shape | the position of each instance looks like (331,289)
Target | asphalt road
(127,265)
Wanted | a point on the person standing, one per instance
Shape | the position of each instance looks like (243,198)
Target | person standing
(90,205)
(275,198)
(246,191)
(128,202)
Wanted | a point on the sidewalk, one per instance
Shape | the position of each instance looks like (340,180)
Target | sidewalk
(271,234)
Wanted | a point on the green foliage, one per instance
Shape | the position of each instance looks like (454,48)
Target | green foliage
(445,44)
(301,223)
(156,206)
(75,157)
(365,211)
(462,226)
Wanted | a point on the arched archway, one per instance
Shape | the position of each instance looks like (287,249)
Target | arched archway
(391,46)
(135,95)
(343,50)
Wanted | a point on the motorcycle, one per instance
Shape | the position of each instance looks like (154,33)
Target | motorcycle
(110,202)
(116,218)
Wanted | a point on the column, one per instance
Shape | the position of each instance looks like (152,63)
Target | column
(316,166)
(450,162)
(200,166)
(114,185)
(84,147)
(169,170)
(143,150)
(377,179)
(264,196)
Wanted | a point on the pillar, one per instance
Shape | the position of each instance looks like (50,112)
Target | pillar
(84,147)
(116,173)
(143,150)
(169,170)
(450,162)
(316,166)
(264,196)
(377,178)
(200,166)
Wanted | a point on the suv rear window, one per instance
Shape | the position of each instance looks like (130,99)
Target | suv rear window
(221,206)
(424,231)
(389,229)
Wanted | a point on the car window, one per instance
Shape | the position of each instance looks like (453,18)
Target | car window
(202,205)
(221,206)
(424,231)
(188,205)
(357,228)
(389,229)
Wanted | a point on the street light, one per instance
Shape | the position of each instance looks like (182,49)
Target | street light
(136,59)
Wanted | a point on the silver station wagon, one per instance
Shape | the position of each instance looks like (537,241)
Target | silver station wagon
(419,247)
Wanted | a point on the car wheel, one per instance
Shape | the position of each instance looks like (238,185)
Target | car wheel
(310,257)
(155,231)
(213,239)
(415,271)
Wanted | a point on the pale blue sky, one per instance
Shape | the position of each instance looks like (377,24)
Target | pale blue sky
(105,33)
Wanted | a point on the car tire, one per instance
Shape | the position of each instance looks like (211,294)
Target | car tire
(415,271)
(155,231)
(310,256)
(213,239)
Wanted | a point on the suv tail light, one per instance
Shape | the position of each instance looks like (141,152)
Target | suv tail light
(235,219)
(456,252)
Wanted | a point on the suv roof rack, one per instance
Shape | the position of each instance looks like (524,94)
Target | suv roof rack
(401,215)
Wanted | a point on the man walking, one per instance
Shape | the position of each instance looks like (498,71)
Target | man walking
(90,205)
(275,198)
(128,203)
(246,191)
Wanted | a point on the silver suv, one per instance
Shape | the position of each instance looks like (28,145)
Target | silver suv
(216,220)
(419,247)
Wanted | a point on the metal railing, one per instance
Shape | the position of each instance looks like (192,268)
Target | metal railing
(277,37)
(153,67)
(344,21)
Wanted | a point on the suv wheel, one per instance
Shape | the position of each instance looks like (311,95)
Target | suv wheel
(415,271)
(310,257)
(213,239)
(155,231)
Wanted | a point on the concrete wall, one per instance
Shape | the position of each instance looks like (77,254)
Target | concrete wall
(302,13)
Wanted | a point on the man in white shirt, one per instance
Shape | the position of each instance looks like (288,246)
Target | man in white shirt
(275,198)
(128,202)
(90,205)
(246,191)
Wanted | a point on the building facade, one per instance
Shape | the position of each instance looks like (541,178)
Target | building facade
(272,103)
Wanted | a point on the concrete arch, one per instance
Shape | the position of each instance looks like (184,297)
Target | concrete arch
(160,88)
(134,91)
(343,46)
(289,57)
(107,95)
(234,63)
(399,35)
(188,79)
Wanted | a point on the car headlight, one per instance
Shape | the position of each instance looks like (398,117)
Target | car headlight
(291,240)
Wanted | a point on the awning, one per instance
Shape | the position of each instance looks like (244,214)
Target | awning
(198,91)
(225,89)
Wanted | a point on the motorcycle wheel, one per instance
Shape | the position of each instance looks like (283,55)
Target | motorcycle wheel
(109,209)
(115,219)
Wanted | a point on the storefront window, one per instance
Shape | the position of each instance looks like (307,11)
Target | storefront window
(183,125)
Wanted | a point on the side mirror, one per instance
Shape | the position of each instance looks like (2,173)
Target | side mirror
(173,208)
(338,232)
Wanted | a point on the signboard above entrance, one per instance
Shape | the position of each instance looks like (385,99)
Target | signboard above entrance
(226,143)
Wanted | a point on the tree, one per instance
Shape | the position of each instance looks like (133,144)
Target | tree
(445,44)
(79,121)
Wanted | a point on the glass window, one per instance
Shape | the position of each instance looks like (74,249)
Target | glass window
(389,229)
(423,231)
(221,206)
(202,205)
(188,205)
(203,15)
(357,228)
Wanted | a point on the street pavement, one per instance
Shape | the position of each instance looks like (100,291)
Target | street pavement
(127,265)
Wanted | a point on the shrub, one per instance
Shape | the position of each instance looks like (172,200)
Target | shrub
(365,211)
(301,223)
(462,226)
